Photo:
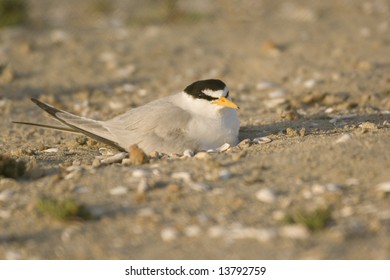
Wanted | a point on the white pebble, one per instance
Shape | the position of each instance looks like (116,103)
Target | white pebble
(223,148)
(244,144)
(188,153)
(294,232)
(262,235)
(202,155)
(201,187)
(169,234)
(105,152)
(318,189)
(310,83)
(225,174)
(51,150)
(343,138)
(261,140)
(384,187)
(119,190)
(192,231)
(185,176)
(115,158)
(142,186)
(139,173)
(216,232)
(266,195)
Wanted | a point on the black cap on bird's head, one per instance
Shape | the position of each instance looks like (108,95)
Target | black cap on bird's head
(212,90)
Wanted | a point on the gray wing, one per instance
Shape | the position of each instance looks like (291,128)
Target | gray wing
(157,126)
(92,128)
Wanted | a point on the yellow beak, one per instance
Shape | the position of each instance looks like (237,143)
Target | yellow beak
(223,101)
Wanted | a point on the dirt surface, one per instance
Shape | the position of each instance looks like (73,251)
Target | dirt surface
(312,76)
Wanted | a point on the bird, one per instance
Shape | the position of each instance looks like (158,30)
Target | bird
(199,118)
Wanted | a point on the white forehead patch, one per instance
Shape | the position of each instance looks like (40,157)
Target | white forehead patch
(216,93)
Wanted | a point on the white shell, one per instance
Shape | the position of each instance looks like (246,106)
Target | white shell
(51,150)
(115,158)
(261,140)
(223,148)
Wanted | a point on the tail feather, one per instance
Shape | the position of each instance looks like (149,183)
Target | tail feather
(76,124)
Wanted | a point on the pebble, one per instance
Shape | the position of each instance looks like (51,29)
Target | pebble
(185,176)
(202,155)
(201,187)
(311,83)
(244,144)
(223,148)
(384,188)
(142,186)
(261,140)
(6,74)
(137,155)
(368,125)
(216,232)
(51,150)
(169,234)
(192,231)
(139,173)
(343,138)
(119,190)
(266,195)
(225,174)
(294,232)
(115,158)
(105,152)
(188,153)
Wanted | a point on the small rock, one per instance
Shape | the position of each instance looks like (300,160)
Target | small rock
(192,231)
(223,148)
(302,132)
(185,176)
(343,138)
(51,150)
(384,188)
(115,158)
(278,93)
(261,140)
(291,132)
(119,190)
(266,195)
(244,144)
(225,174)
(202,155)
(154,155)
(5,214)
(188,153)
(368,126)
(139,173)
(201,187)
(294,232)
(216,232)
(169,234)
(137,155)
(142,186)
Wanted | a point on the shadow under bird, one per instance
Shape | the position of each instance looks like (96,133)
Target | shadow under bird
(201,117)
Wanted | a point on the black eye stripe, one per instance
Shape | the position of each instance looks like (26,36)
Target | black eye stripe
(202,95)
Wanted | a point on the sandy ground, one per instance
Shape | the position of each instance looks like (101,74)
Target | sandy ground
(312,76)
